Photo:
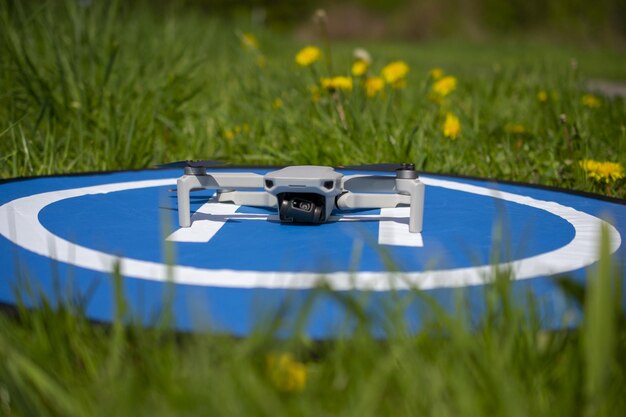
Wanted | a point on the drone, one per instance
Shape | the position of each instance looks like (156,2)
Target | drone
(304,194)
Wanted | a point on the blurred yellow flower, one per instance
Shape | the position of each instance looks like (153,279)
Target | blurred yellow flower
(249,40)
(337,83)
(591,101)
(602,171)
(516,128)
(436,73)
(395,72)
(229,134)
(444,86)
(286,373)
(277,103)
(308,55)
(542,96)
(451,126)
(359,68)
(374,86)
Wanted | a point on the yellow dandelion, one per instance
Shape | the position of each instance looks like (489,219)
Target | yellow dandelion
(395,72)
(286,373)
(249,40)
(436,73)
(359,68)
(308,55)
(591,101)
(451,126)
(374,86)
(444,86)
(515,128)
(229,134)
(277,103)
(602,171)
(337,83)
(542,96)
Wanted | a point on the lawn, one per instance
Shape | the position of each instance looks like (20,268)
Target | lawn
(99,89)
(108,86)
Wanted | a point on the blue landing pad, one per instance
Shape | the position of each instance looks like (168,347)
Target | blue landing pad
(237,267)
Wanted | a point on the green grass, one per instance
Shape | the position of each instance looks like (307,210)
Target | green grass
(55,362)
(114,87)
(108,88)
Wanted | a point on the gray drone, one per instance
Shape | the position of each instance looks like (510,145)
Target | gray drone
(305,194)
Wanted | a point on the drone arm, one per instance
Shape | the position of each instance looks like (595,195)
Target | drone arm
(369,192)
(350,201)
(248,198)
(220,181)
(232,180)
(368,184)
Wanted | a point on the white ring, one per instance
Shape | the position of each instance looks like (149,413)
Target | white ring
(20,224)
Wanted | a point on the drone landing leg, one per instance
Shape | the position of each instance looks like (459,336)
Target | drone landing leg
(184,185)
(415,189)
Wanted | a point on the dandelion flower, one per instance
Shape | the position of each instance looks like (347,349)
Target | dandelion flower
(337,83)
(444,86)
(374,86)
(591,101)
(542,96)
(359,68)
(277,103)
(606,172)
(451,126)
(436,73)
(395,73)
(229,134)
(249,40)
(308,55)
(286,373)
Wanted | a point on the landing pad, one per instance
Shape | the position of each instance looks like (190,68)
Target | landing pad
(238,267)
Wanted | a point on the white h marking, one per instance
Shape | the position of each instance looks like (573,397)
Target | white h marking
(393,227)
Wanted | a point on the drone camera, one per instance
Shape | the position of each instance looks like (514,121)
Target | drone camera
(301,207)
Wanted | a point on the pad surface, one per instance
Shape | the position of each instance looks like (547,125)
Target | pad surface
(237,266)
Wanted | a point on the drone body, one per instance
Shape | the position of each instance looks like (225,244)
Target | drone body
(306,194)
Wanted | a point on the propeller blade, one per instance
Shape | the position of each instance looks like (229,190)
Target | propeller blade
(201,163)
(383,167)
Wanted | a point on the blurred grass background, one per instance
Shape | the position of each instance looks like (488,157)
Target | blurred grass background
(93,85)
(570,20)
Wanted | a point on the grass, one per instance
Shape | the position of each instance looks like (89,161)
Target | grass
(113,86)
(55,362)
(102,87)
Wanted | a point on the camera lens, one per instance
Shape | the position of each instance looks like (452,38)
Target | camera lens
(302,205)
